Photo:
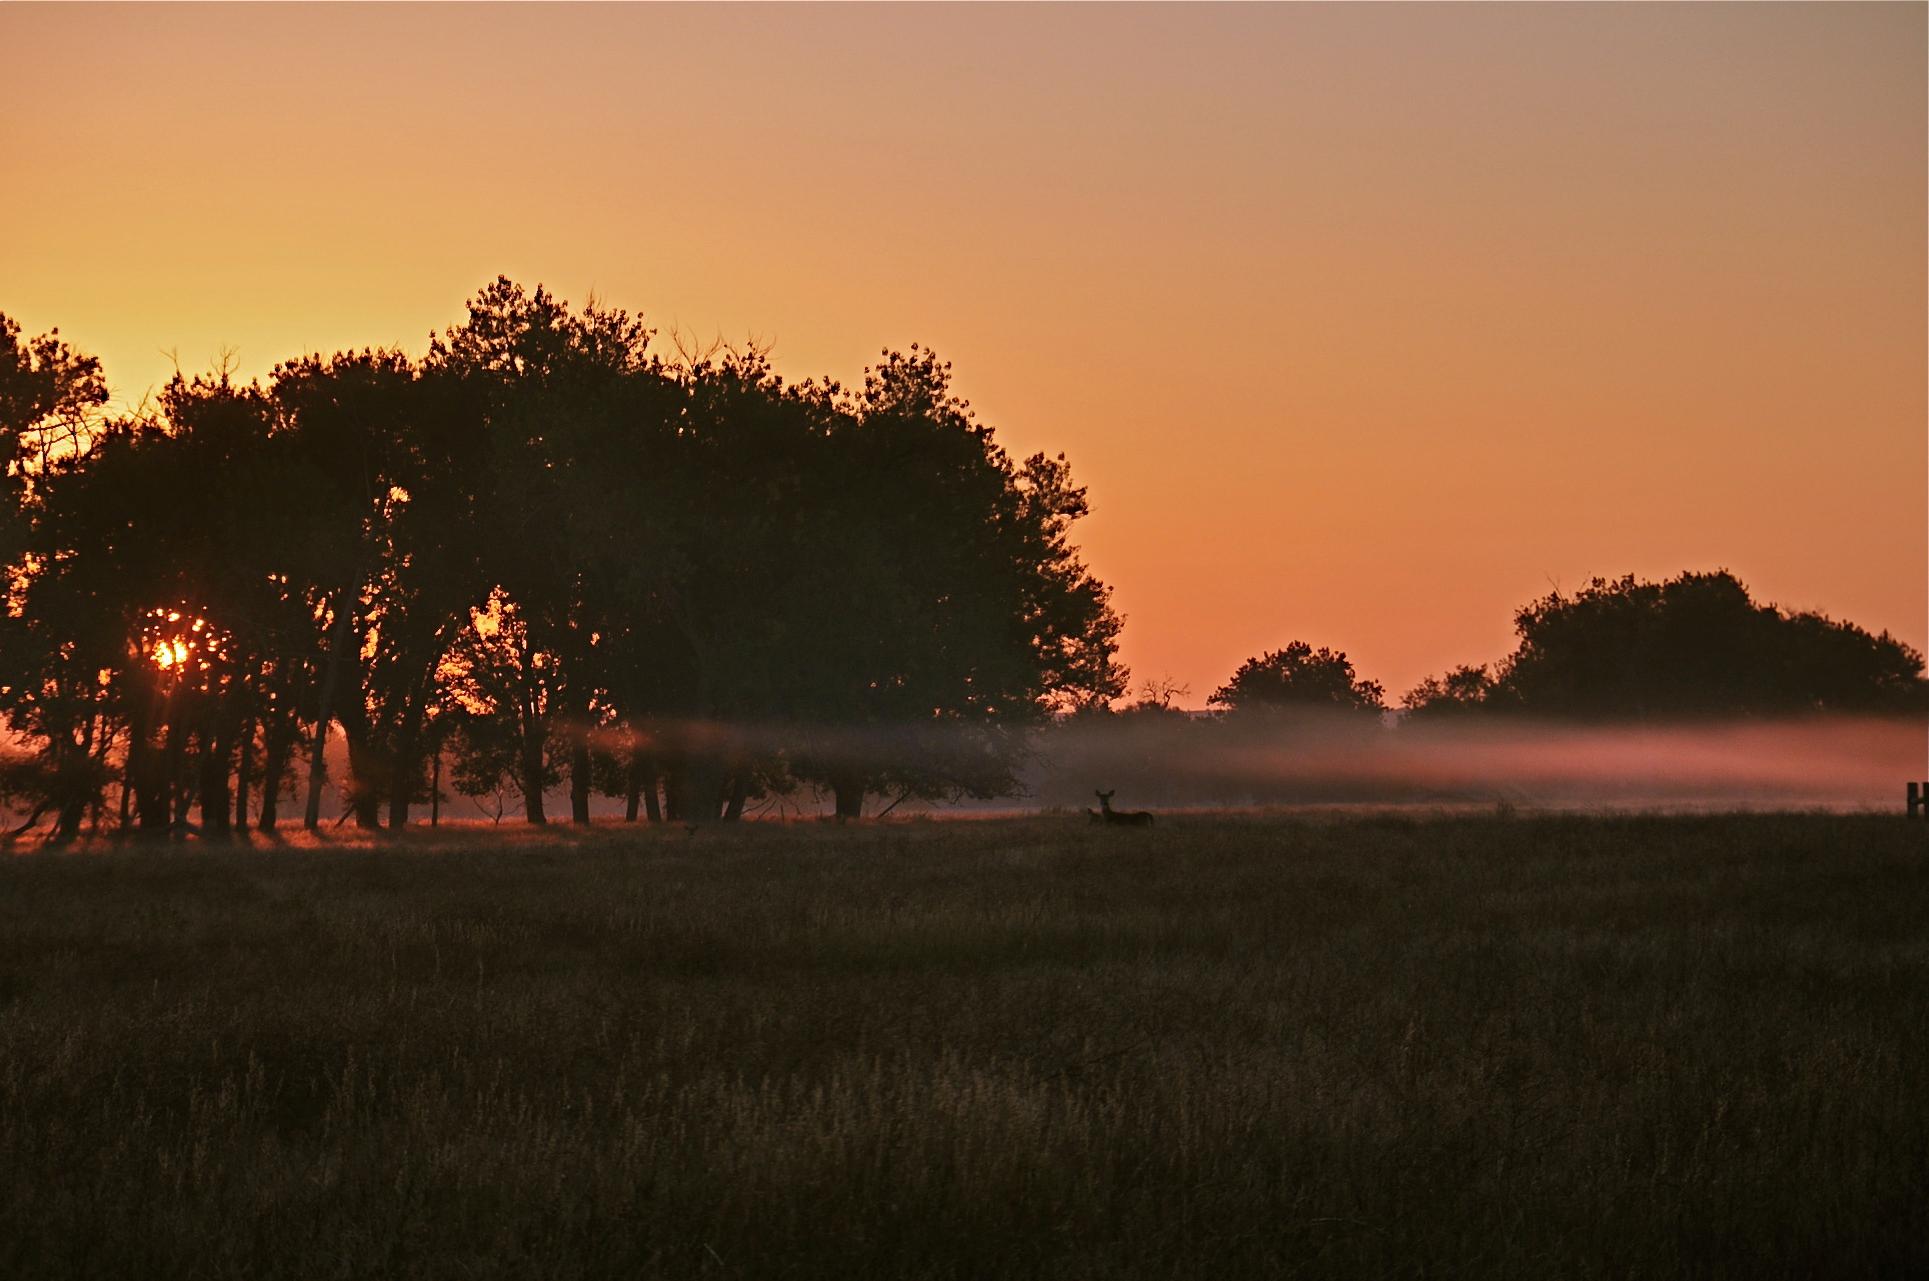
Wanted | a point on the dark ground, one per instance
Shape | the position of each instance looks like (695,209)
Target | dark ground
(1232,1046)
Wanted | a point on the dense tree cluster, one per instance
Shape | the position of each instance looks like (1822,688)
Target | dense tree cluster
(1298,678)
(1300,725)
(1697,645)
(542,553)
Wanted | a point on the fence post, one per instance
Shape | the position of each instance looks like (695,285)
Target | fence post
(1918,798)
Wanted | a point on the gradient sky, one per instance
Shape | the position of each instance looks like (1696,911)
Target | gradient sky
(1364,325)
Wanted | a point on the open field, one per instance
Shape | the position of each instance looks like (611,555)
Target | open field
(1383,1046)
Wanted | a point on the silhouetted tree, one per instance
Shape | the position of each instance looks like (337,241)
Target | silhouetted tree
(1461,691)
(50,400)
(58,634)
(562,401)
(349,420)
(956,612)
(1696,645)
(690,585)
(1298,678)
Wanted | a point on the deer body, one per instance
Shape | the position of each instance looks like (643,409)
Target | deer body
(1119,818)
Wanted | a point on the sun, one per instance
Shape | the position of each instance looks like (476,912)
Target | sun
(176,640)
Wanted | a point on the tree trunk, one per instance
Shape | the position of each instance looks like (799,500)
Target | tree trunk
(331,677)
(739,793)
(242,778)
(698,790)
(579,776)
(673,789)
(642,780)
(67,823)
(153,791)
(652,809)
(179,796)
(142,783)
(73,797)
(368,768)
(531,729)
(532,788)
(274,765)
(215,800)
(404,773)
(849,791)
(435,787)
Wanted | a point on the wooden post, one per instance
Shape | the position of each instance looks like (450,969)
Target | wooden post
(1918,798)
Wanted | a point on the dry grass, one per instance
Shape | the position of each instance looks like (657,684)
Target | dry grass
(1582,1047)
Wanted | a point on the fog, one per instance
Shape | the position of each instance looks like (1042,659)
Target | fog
(1177,762)
(1154,762)
(1173,762)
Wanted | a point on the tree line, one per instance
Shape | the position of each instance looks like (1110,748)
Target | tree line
(1695,646)
(543,553)
(547,553)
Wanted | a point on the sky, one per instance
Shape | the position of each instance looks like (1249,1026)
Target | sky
(1363,324)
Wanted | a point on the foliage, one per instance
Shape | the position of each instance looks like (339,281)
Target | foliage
(1298,678)
(1697,645)
(539,541)
(1464,689)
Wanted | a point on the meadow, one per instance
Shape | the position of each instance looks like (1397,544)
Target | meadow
(1239,1045)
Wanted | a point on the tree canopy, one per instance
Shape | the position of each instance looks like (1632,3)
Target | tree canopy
(1696,645)
(1298,678)
(542,552)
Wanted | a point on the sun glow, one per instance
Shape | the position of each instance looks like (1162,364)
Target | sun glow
(177,640)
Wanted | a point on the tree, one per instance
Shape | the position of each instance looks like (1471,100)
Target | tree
(1696,645)
(544,547)
(1461,691)
(50,399)
(564,404)
(956,614)
(1298,678)
(1157,701)
(54,647)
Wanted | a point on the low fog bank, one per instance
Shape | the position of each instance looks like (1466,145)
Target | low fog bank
(1174,762)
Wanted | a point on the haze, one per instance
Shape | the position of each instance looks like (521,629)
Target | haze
(1363,324)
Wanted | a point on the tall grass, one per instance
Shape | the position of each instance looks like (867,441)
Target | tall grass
(1582,1047)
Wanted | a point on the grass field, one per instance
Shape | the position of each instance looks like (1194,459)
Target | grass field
(1234,1046)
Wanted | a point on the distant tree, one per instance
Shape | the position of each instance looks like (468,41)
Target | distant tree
(1157,699)
(1696,645)
(1298,678)
(1461,691)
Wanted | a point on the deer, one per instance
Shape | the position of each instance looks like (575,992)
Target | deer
(1119,818)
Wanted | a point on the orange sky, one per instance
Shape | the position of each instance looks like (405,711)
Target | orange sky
(1363,324)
